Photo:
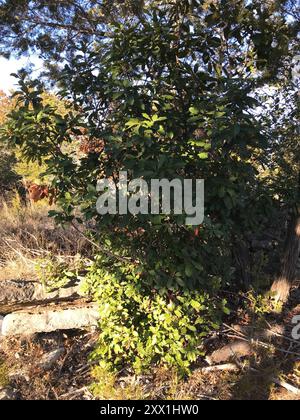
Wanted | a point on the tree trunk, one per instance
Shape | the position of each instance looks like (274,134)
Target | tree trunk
(282,286)
(242,258)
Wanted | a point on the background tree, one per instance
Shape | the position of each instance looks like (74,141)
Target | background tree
(15,169)
(9,179)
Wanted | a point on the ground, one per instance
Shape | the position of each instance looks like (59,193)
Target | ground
(275,358)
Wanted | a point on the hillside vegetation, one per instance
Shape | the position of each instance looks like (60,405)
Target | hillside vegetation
(175,90)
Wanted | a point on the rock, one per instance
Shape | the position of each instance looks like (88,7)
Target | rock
(1,322)
(49,319)
(16,294)
(237,349)
(49,359)
(6,394)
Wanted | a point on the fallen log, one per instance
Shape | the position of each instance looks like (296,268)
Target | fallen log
(16,295)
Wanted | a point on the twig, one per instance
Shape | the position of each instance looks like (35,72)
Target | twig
(26,260)
(101,248)
(265,345)
(274,333)
(230,367)
(206,397)
(283,336)
(88,366)
(234,330)
(72,393)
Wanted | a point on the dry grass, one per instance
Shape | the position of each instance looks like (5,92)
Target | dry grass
(28,234)
(23,373)
(163,383)
(3,374)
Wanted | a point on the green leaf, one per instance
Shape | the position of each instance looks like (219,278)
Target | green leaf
(133,122)
(189,270)
(146,116)
(196,305)
(203,155)
(194,111)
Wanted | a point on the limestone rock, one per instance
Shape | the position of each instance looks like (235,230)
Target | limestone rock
(49,319)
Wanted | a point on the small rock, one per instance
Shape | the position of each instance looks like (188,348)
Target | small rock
(233,351)
(49,359)
(6,394)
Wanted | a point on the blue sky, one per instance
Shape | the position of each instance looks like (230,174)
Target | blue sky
(12,66)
